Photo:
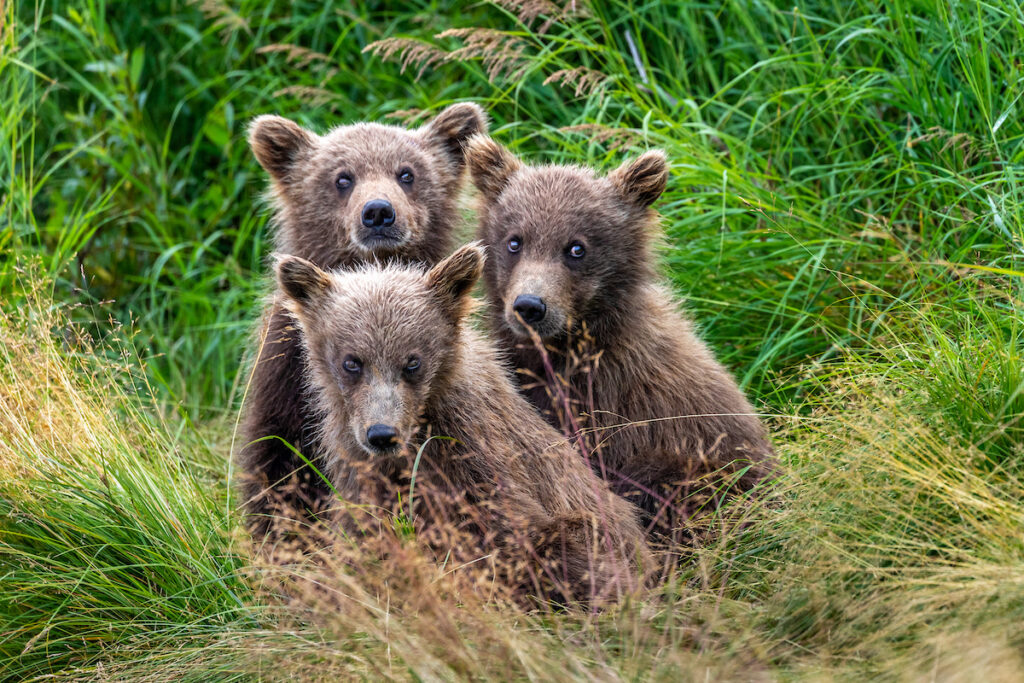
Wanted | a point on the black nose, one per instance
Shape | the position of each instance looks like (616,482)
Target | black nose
(381,437)
(378,213)
(530,307)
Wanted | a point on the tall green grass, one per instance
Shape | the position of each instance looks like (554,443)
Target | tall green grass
(876,140)
(845,221)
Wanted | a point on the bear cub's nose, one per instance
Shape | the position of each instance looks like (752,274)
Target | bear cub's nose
(530,307)
(378,213)
(382,437)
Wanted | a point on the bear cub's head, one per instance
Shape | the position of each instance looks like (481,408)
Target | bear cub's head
(367,189)
(380,342)
(566,245)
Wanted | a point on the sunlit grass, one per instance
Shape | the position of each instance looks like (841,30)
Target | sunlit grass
(889,533)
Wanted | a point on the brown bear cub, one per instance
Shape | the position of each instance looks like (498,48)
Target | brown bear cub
(571,263)
(364,192)
(393,363)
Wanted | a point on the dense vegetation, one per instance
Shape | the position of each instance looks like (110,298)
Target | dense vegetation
(845,220)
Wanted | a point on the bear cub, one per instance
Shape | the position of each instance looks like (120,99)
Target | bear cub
(571,264)
(360,193)
(393,362)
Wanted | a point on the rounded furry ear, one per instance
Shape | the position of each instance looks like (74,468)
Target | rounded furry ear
(452,127)
(643,180)
(453,279)
(278,143)
(490,165)
(300,280)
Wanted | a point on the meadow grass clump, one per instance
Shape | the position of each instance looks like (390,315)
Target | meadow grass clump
(109,533)
(889,536)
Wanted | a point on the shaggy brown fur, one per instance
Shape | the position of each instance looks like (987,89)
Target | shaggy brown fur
(389,348)
(659,407)
(420,173)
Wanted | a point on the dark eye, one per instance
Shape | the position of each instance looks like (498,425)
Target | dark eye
(412,365)
(514,244)
(343,182)
(405,176)
(353,366)
(577,250)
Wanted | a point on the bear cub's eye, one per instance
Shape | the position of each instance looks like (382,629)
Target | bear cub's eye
(352,365)
(412,365)
(514,244)
(577,250)
(343,182)
(405,176)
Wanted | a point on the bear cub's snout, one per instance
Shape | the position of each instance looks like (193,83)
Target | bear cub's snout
(378,214)
(530,307)
(382,438)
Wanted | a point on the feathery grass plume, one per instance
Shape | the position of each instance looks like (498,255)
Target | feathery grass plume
(615,137)
(965,143)
(583,81)
(502,53)
(409,52)
(527,11)
(223,17)
(310,95)
(303,58)
(295,54)
(409,117)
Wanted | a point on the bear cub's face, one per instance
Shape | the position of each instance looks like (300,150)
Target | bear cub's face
(563,242)
(367,188)
(379,341)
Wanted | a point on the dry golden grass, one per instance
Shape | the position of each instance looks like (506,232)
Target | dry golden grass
(885,548)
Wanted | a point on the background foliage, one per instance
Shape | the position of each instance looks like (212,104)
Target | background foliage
(845,220)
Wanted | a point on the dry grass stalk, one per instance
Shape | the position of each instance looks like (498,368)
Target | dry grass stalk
(408,117)
(295,54)
(967,145)
(502,53)
(583,81)
(527,11)
(465,538)
(223,17)
(310,95)
(408,52)
(617,138)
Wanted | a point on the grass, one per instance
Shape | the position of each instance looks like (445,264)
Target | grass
(845,221)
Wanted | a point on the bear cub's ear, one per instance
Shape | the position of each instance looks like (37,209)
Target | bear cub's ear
(452,127)
(643,180)
(278,144)
(490,165)
(452,280)
(301,281)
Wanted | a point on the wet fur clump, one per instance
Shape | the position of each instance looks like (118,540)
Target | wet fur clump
(321,186)
(411,396)
(600,346)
